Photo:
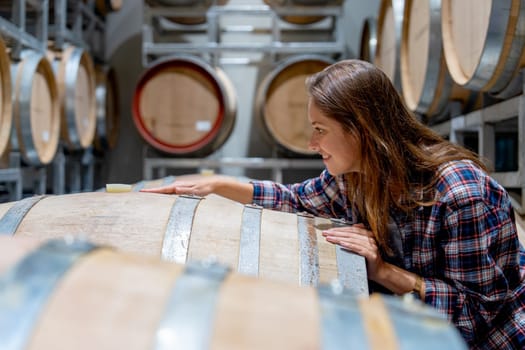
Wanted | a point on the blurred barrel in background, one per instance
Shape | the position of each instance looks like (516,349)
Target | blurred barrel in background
(6,116)
(483,41)
(183,106)
(75,75)
(104,7)
(197,13)
(36,109)
(368,46)
(281,103)
(297,5)
(427,87)
(389,30)
(108,114)
(93,298)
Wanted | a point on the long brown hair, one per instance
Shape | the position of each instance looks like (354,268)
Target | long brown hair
(399,155)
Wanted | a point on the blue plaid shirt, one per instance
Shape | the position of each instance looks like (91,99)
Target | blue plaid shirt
(465,246)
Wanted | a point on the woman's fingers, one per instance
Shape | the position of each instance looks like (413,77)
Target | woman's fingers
(173,188)
(355,238)
(170,189)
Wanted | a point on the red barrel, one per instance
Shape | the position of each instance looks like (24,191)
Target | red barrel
(183,106)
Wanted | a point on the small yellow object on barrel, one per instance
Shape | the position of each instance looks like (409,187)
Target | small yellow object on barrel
(118,188)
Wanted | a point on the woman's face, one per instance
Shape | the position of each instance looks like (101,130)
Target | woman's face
(339,149)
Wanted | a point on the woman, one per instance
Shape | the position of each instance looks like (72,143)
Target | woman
(427,216)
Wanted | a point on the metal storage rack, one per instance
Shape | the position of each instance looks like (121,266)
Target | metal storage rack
(213,48)
(154,22)
(484,124)
(79,26)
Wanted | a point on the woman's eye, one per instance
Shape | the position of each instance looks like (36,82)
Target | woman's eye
(319,131)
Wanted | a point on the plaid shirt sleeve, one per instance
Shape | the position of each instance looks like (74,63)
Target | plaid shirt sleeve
(477,251)
(320,196)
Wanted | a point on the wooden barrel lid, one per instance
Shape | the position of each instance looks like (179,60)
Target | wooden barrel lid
(36,114)
(182,105)
(483,41)
(282,102)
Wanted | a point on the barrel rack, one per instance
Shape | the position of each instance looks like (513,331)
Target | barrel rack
(73,22)
(155,22)
(159,38)
(484,124)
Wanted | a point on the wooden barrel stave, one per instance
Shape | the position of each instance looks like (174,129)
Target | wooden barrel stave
(96,303)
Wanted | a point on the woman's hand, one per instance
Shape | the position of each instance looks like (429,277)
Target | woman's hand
(198,186)
(204,185)
(359,240)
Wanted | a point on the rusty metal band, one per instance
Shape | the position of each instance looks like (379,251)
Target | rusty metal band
(178,230)
(308,250)
(26,288)
(187,322)
(250,241)
(13,217)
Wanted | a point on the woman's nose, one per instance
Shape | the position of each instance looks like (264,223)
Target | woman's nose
(312,144)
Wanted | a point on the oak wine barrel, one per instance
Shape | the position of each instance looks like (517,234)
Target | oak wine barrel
(270,244)
(483,42)
(36,109)
(6,116)
(282,100)
(69,294)
(183,106)
(427,87)
(75,75)
(108,114)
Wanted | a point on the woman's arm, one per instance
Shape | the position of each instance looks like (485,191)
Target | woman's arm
(225,186)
